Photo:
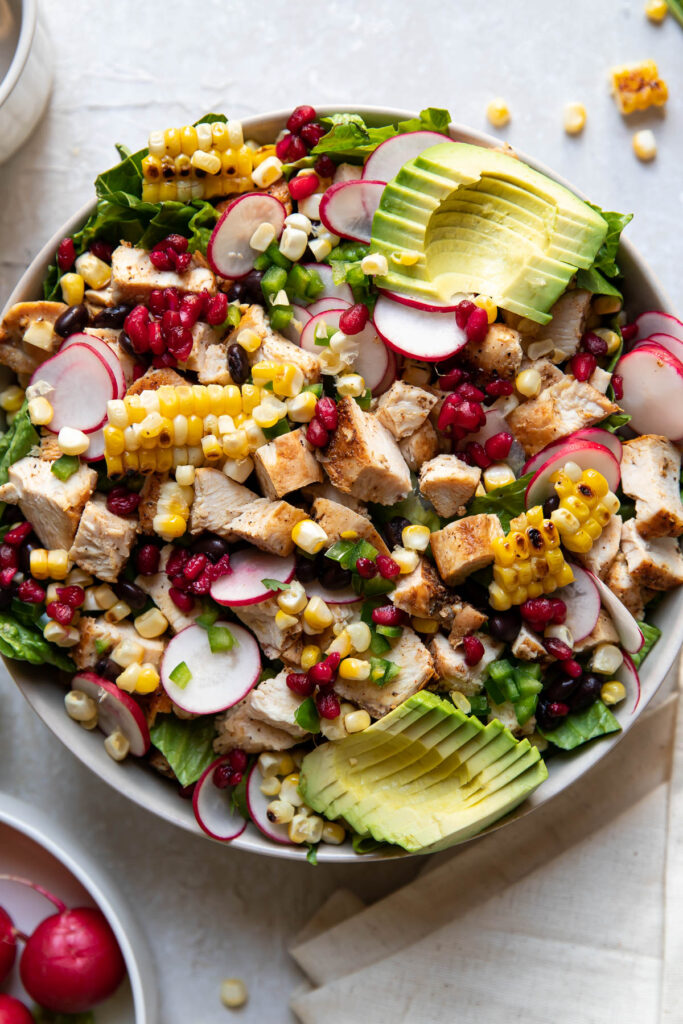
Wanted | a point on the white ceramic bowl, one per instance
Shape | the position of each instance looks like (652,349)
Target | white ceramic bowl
(34,847)
(25,72)
(154,793)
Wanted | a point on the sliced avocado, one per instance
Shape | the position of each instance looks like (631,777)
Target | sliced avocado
(424,776)
(483,222)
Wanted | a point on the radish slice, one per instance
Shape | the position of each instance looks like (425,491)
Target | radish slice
(428,307)
(116,710)
(83,384)
(101,349)
(95,446)
(217,680)
(330,289)
(372,362)
(585,454)
(347,209)
(389,157)
(630,634)
(292,332)
(230,253)
(591,434)
(347,595)
(257,804)
(655,322)
(390,376)
(321,305)
(583,604)
(247,568)
(628,675)
(653,390)
(213,807)
(416,333)
(671,344)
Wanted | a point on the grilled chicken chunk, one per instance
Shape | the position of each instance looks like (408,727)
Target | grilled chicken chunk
(238,728)
(267,525)
(604,550)
(452,670)
(420,593)
(158,587)
(650,473)
(404,408)
(260,619)
(558,411)
(27,336)
(420,446)
(217,501)
(499,354)
(95,632)
(274,703)
(337,519)
(416,669)
(53,506)
(464,546)
(569,315)
(448,483)
(656,563)
(103,541)
(285,464)
(133,277)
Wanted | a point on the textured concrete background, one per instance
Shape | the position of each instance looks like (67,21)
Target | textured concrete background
(124,68)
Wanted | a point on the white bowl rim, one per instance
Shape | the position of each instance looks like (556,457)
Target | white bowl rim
(29,17)
(252,840)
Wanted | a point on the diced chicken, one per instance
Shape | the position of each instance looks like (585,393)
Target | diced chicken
(604,550)
(99,637)
(420,593)
(149,499)
(133,276)
(332,493)
(569,315)
(420,446)
(336,519)
(37,319)
(466,619)
(650,473)
(99,297)
(260,619)
(237,728)
(53,506)
(416,669)
(274,703)
(506,714)
(363,458)
(655,563)
(448,483)
(600,380)
(603,632)
(209,356)
(285,464)
(499,353)
(619,581)
(103,541)
(267,525)
(111,338)
(154,379)
(464,546)
(158,587)
(528,646)
(274,348)
(49,450)
(218,500)
(452,670)
(559,410)
(404,408)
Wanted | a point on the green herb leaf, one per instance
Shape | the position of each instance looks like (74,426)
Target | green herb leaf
(505,502)
(306,716)
(180,675)
(312,854)
(367,844)
(239,797)
(187,745)
(221,639)
(276,584)
(613,422)
(583,726)
(350,136)
(23,643)
(65,466)
(651,634)
(212,119)
(606,260)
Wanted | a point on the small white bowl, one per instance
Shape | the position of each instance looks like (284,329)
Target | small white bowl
(153,792)
(25,72)
(32,846)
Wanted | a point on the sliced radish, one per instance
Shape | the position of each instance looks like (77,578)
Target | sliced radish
(372,362)
(585,454)
(347,595)
(417,333)
(390,156)
(583,604)
(653,390)
(655,322)
(630,634)
(347,208)
(217,680)
(292,332)
(428,307)
(671,344)
(95,450)
(229,252)
(257,804)
(321,305)
(628,675)
(213,807)
(390,376)
(116,710)
(330,289)
(243,584)
(591,434)
(105,353)
(83,384)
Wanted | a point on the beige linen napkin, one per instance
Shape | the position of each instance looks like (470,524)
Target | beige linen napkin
(560,916)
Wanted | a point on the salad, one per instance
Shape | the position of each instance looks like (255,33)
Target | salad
(338,483)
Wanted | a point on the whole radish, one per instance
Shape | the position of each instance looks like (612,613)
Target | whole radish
(8,945)
(14,1012)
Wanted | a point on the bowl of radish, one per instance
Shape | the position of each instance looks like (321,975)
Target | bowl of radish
(651,367)
(68,944)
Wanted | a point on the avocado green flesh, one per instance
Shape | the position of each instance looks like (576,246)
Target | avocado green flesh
(483,222)
(424,774)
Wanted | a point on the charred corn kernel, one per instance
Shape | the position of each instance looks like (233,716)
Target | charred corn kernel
(236,444)
(611,503)
(607,659)
(585,506)
(280,812)
(238,469)
(528,383)
(150,428)
(127,652)
(151,168)
(12,399)
(40,411)
(293,600)
(357,721)
(72,441)
(267,172)
(151,624)
(309,536)
(612,692)
(498,112)
(498,475)
(212,448)
(415,537)
(128,679)
(638,86)
(354,668)
(301,409)
(58,563)
(656,10)
(421,625)
(341,645)
(333,833)
(503,551)
(645,145)
(73,289)
(574,118)
(79,706)
(38,563)
(284,621)
(94,271)
(117,612)
(317,615)
(486,303)
(310,656)
(184,475)
(288,381)
(117,746)
(577,507)
(114,441)
(527,562)
(407,561)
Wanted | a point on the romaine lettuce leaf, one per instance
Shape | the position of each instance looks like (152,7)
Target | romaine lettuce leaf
(652,635)
(605,264)
(24,643)
(16,442)
(349,136)
(597,720)
(506,502)
(186,745)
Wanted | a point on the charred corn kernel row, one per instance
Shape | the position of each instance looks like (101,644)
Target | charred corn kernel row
(528,562)
(197,162)
(53,565)
(638,86)
(586,504)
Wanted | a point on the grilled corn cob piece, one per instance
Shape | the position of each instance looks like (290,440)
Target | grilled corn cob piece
(638,86)
(197,162)
(528,562)
(586,505)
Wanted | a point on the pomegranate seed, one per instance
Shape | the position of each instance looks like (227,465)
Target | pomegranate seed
(572,668)
(8,557)
(182,601)
(618,386)
(450,380)
(326,412)
(316,433)
(468,415)
(582,365)
(457,433)
(180,342)
(148,560)
(172,299)
(157,344)
(468,391)
(303,185)
(18,534)
(353,320)
(182,262)
(282,147)
(499,387)
(463,311)
(136,326)
(156,301)
(191,308)
(299,683)
(333,660)
(60,612)
(366,568)
(221,568)
(166,359)
(312,134)
(170,319)
(387,615)
(594,344)
(31,592)
(102,250)
(217,309)
(537,610)
(321,674)
(477,325)
(238,760)
(327,705)
(176,562)
(122,502)
(6,577)
(467,458)
(388,568)
(557,709)
(325,166)
(629,331)
(474,649)
(300,116)
(477,454)
(73,596)
(559,611)
(293,148)
(202,585)
(223,776)
(138,371)
(498,447)
(195,566)
(160,260)
(447,412)
(558,649)
(66,254)
(176,242)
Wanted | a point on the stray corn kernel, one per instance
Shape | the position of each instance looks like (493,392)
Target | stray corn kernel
(94,271)
(354,668)
(574,118)
(498,475)
(407,561)
(290,790)
(486,303)
(310,656)
(309,536)
(645,145)
(638,86)
(415,537)
(284,621)
(612,692)
(351,384)
(374,264)
(117,746)
(656,10)
(333,833)
(528,383)
(271,786)
(317,615)
(58,563)
(248,340)
(72,441)
(38,563)
(151,624)
(73,289)
(360,636)
(233,992)
(607,659)
(79,706)
(461,702)
(424,625)
(40,412)
(12,398)
(306,829)
(357,721)
(127,652)
(611,305)
(498,112)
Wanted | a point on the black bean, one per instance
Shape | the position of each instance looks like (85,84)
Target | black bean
(25,553)
(72,320)
(126,344)
(12,514)
(238,364)
(210,545)
(505,626)
(332,576)
(561,689)
(5,598)
(393,531)
(587,692)
(550,504)
(544,717)
(306,569)
(132,594)
(249,288)
(108,669)
(111,316)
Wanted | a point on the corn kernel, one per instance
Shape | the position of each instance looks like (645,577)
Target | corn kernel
(415,537)
(117,746)
(290,789)
(574,118)
(486,303)
(612,692)
(94,271)
(499,598)
(288,381)
(212,448)
(208,162)
(251,397)
(40,411)
(357,721)
(12,399)
(267,172)
(498,475)
(309,536)
(305,829)
(238,469)
(301,408)
(461,702)
(127,652)
(421,625)
(498,112)
(374,265)
(151,624)
(271,786)
(236,445)
(341,645)
(528,383)
(117,612)
(638,87)
(284,621)
(79,706)
(73,289)
(351,384)
(359,635)
(293,600)
(128,679)
(58,563)
(503,551)
(72,441)
(645,145)
(407,561)
(607,659)
(354,668)
(317,615)
(656,10)
(333,833)
(310,656)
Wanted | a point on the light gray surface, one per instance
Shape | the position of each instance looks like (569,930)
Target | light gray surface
(124,68)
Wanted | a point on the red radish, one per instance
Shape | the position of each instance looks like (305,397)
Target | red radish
(583,604)
(243,583)
(116,710)
(628,675)
(8,945)
(389,157)
(655,322)
(257,805)
(630,634)
(321,305)
(373,359)
(217,679)
(347,208)
(671,344)
(229,252)
(105,353)
(96,446)
(292,332)
(430,306)
(14,1012)
(330,289)
(82,384)
(591,434)
(653,390)
(389,377)
(417,333)
(347,595)
(213,807)
(585,454)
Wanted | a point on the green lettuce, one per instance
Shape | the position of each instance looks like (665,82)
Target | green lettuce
(25,643)
(676,8)
(187,745)
(605,264)
(505,502)
(651,634)
(579,728)
(613,422)
(415,508)
(349,136)
(15,443)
